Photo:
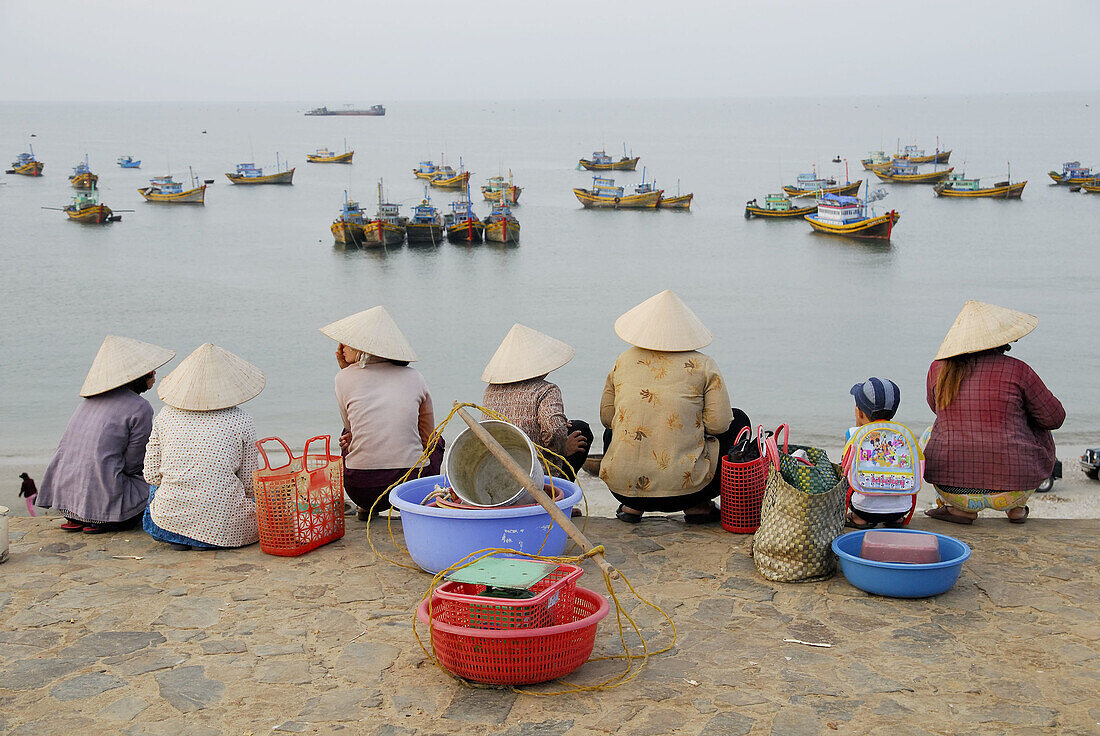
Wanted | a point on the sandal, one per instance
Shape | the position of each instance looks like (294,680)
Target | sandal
(853,524)
(1021,519)
(626,516)
(941,513)
(94,529)
(72,526)
(705,518)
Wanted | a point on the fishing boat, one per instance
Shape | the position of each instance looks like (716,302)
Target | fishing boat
(349,110)
(26,165)
(86,208)
(600,161)
(166,190)
(605,194)
(128,162)
(904,171)
(249,173)
(776,205)
(387,227)
(501,226)
(496,186)
(426,224)
(877,160)
(462,224)
(917,155)
(812,185)
(1072,173)
(347,228)
(839,214)
(957,185)
(325,156)
(82,177)
(426,170)
(1092,186)
(679,202)
(448,178)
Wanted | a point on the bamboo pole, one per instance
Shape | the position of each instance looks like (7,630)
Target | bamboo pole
(539,494)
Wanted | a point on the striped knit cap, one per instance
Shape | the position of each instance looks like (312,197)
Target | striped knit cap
(877,395)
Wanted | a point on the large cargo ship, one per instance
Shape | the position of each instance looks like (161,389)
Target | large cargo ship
(372,110)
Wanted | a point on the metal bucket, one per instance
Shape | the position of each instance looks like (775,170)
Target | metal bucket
(480,479)
(3,533)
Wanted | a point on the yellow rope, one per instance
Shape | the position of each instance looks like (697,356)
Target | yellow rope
(629,672)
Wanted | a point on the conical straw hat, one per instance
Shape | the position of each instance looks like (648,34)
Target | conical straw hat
(663,322)
(374,332)
(525,353)
(121,360)
(982,326)
(211,378)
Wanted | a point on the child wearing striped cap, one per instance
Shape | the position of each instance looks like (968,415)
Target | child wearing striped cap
(877,400)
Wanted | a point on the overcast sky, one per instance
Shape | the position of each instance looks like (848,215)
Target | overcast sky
(382,50)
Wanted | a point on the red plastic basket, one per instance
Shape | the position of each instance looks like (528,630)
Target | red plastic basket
(461,604)
(742,490)
(519,656)
(300,505)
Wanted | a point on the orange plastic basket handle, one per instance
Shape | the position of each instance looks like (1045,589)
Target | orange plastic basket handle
(742,434)
(305,452)
(267,461)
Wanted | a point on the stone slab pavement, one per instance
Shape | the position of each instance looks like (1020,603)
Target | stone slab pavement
(239,642)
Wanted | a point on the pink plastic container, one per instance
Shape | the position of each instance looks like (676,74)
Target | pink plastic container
(900,547)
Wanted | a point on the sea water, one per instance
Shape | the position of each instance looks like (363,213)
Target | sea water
(797,317)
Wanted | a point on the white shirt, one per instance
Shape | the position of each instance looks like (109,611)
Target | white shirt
(382,404)
(203,463)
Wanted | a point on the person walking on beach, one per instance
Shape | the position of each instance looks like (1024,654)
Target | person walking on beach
(95,477)
(519,391)
(991,445)
(29,491)
(385,406)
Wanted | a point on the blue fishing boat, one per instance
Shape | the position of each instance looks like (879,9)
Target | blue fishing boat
(461,222)
(501,226)
(426,224)
(249,173)
(1073,173)
(604,193)
(26,165)
(839,214)
(128,162)
(347,228)
(82,177)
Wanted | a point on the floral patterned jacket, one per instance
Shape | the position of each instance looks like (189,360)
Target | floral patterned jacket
(661,408)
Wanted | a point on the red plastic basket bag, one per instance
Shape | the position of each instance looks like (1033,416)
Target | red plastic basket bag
(552,603)
(299,505)
(742,487)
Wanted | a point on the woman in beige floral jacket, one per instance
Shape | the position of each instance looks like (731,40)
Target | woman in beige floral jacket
(669,414)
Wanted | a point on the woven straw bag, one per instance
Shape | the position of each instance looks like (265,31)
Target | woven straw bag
(794,541)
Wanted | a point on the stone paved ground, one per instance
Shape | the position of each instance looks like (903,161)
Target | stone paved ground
(238,642)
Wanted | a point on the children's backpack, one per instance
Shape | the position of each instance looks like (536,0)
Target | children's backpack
(885,460)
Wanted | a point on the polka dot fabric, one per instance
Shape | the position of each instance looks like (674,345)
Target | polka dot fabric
(203,463)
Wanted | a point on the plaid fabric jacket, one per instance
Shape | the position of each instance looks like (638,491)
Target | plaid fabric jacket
(996,433)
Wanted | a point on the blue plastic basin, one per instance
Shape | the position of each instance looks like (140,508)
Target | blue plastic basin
(901,580)
(439,537)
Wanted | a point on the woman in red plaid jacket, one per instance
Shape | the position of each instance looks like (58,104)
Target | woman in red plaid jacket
(991,445)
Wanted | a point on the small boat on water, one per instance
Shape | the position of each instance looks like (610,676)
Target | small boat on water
(849,216)
(128,162)
(877,160)
(917,155)
(957,185)
(448,178)
(600,161)
(1092,186)
(347,228)
(904,171)
(82,177)
(1073,173)
(325,156)
(166,190)
(679,202)
(26,165)
(249,173)
(387,227)
(426,170)
(426,224)
(496,186)
(604,194)
(812,185)
(462,224)
(501,226)
(776,205)
(86,208)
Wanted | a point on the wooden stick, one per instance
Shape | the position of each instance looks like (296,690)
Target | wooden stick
(539,494)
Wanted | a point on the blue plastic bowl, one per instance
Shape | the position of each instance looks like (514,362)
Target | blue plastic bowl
(439,537)
(901,580)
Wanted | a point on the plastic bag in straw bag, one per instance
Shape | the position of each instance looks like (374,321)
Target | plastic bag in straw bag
(742,482)
(299,505)
(818,477)
(797,529)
